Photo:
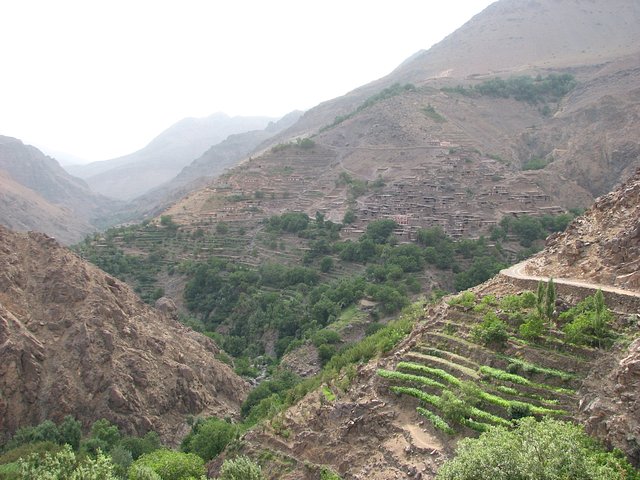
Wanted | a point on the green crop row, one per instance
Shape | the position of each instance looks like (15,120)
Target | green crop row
(435,420)
(419,394)
(409,378)
(436,372)
(532,368)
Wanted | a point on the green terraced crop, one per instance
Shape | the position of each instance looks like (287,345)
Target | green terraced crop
(532,368)
(489,417)
(436,372)
(435,420)
(517,379)
(419,394)
(409,378)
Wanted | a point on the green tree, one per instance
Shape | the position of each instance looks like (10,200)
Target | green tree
(240,468)
(65,465)
(349,217)
(545,450)
(550,300)
(104,436)
(138,446)
(540,295)
(326,264)
(70,432)
(380,230)
(169,465)
(207,439)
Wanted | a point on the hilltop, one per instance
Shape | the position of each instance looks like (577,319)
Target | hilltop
(76,341)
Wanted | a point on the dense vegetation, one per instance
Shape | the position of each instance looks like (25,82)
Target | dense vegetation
(297,302)
(549,450)
(533,90)
(308,302)
(57,452)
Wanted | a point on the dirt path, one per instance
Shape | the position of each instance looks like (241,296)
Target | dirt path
(517,271)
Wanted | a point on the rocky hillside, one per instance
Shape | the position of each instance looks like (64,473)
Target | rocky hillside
(603,246)
(130,176)
(395,417)
(74,340)
(38,194)
(586,139)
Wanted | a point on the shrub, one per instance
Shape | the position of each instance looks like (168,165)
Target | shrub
(532,328)
(491,330)
(549,449)
(589,322)
(465,300)
(65,464)
(240,468)
(170,465)
(207,439)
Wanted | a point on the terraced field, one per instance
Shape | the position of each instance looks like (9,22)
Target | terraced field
(459,382)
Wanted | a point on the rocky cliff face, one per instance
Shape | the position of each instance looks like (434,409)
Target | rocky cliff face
(603,246)
(74,340)
(610,408)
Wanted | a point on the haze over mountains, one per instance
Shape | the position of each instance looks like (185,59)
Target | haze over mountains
(127,177)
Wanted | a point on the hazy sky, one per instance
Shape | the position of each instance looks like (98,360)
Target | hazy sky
(98,79)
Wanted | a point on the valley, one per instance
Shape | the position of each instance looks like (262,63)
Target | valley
(371,289)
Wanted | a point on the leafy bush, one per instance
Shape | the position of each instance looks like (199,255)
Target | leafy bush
(169,465)
(491,331)
(240,468)
(533,328)
(589,322)
(65,464)
(466,300)
(209,437)
(550,450)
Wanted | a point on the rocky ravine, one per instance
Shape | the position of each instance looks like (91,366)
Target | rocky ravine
(74,340)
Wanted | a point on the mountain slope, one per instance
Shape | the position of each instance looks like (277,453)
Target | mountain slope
(519,35)
(73,340)
(38,194)
(385,419)
(132,175)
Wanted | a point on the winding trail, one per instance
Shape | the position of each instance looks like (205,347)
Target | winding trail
(517,272)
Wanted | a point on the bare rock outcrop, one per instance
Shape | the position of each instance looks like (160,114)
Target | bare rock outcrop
(610,407)
(74,340)
(602,246)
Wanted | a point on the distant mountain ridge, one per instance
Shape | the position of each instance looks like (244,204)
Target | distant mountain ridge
(38,194)
(132,175)
(212,163)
